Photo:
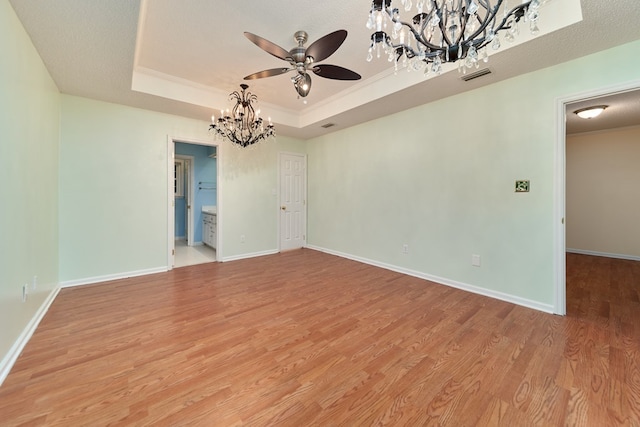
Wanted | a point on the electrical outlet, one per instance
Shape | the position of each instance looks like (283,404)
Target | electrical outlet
(34,283)
(25,292)
(242,238)
(405,249)
(475,260)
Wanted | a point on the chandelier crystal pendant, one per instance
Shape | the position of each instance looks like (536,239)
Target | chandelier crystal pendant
(242,125)
(445,31)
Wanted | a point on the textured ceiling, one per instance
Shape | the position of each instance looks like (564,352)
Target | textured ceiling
(185,57)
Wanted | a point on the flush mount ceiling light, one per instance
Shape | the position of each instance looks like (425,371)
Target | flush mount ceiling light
(303,59)
(590,112)
(445,31)
(242,125)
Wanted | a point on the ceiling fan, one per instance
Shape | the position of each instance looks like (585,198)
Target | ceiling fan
(303,59)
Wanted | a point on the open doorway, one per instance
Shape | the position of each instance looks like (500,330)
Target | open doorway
(596,180)
(192,202)
(184,178)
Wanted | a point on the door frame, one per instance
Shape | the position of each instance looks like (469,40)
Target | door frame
(279,199)
(559,229)
(190,185)
(171,154)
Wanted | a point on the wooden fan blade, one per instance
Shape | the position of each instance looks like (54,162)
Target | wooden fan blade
(269,47)
(335,72)
(267,73)
(325,46)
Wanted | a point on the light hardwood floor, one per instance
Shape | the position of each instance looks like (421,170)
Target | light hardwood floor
(305,338)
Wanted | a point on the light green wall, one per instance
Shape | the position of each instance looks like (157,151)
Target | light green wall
(440,178)
(249,196)
(113,189)
(29,102)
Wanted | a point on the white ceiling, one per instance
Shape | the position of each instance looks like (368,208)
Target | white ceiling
(185,57)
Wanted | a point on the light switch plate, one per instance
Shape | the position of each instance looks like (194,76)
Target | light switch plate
(522,186)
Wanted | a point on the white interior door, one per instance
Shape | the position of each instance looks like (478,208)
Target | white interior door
(293,214)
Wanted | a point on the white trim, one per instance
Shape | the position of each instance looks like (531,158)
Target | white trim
(249,255)
(559,209)
(109,277)
(10,358)
(171,203)
(603,254)
(559,186)
(189,199)
(547,308)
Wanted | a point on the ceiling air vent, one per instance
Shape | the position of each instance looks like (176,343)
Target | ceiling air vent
(475,75)
(328,125)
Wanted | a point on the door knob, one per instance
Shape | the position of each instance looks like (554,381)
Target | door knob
(284,208)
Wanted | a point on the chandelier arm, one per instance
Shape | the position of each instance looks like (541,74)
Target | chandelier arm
(426,22)
(490,17)
(234,96)
(443,30)
(513,12)
(411,52)
(464,20)
(418,36)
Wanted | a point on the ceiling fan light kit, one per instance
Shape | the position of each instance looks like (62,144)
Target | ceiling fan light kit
(242,125)
(444,31)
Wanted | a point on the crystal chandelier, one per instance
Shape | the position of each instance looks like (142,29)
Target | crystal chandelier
(242,125)
(445,31)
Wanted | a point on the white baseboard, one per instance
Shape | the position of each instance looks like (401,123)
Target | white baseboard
(109,277)
(246,256)
(10,358)
(603,254)
(547,308)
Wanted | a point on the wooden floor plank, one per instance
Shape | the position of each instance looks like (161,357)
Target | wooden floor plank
(307,338)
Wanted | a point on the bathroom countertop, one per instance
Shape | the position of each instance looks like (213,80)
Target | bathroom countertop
(210,210)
